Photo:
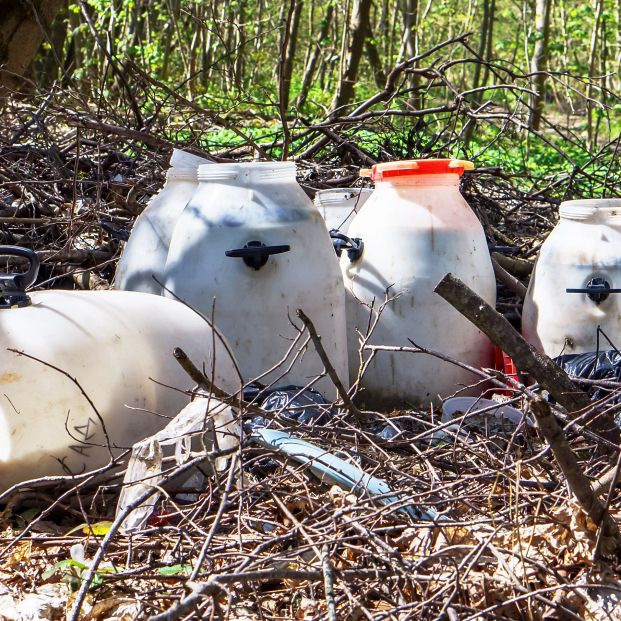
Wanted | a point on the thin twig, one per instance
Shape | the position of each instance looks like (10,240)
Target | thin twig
(321,352)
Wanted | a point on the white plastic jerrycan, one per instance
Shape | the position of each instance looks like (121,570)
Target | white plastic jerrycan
(117,345)
(338,206)
(251,249)
(576,282)
(142,263)
(414,229)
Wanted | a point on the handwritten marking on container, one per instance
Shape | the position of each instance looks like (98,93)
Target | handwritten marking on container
(87,431)
(81,449)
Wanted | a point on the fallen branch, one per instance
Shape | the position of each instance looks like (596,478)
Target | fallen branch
(514,265)
(608,481)
(567,461)
(508,280)
(546,372)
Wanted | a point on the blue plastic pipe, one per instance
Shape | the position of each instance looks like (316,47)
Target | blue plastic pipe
(332,469)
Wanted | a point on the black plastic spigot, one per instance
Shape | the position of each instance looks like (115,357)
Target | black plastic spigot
(255,253)
(597,290)
(353,245)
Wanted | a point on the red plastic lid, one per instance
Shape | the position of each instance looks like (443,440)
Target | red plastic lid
(404,168)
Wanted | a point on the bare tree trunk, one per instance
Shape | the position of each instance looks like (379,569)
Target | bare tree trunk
(211,42)
(290,49)
(489,41)
(73,58)
(486,34)
(23,27)
(283,85)
(382,27)
(284,33)
(605,77)
(410,37)
(47,69)
(392,38)
(357,26)
(485,26)
(225,39)
(373,57)
(618,41)
(539,61)
(195,46)
(312,63)
(309,32)
(240,43)
(258,41)
(344,36)
(168,38)
(599,6)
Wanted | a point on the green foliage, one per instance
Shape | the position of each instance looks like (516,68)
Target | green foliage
(73,572)
(224,57)
(183,569)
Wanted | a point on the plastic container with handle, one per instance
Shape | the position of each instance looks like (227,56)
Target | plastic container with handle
(573,303)
(250,249)
(141,266)
(86,374)
(415,227)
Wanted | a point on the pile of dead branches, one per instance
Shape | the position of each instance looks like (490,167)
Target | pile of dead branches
(266,539)
(513,537)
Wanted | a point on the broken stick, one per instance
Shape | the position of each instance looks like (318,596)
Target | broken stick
(544,370)
(579,484)
(330,370)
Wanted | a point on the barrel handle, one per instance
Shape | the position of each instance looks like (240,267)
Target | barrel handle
(13,285)
(353,245)
(598,289)
(255,253)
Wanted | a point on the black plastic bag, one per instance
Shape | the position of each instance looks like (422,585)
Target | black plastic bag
(306,406)
(603,365)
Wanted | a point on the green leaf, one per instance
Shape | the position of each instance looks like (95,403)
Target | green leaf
(175,570)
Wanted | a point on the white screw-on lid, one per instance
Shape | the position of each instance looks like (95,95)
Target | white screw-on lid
(592,210)
(336,196)
(257,171)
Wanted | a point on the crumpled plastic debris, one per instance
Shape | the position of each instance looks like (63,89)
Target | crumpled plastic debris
(480,414)
(204,425)
(305,405)
(332,469)
(603,365)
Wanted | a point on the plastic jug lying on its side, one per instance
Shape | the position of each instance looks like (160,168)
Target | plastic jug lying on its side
(575,286)
(415,228)
(338,206)
(118,346)
(251,248)
(142,263)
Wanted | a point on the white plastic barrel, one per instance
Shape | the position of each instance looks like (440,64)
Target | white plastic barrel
(251,248)
(338,206)
(118,346)
(582,252)
(145,252)
(415,228)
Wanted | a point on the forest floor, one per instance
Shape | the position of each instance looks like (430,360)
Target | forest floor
(266,539)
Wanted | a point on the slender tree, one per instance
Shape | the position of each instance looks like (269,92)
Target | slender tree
(591,134)
(410,41)
(317,46)
(358,31)
(23,26)
(539,61)
(370,46)
(289,50)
